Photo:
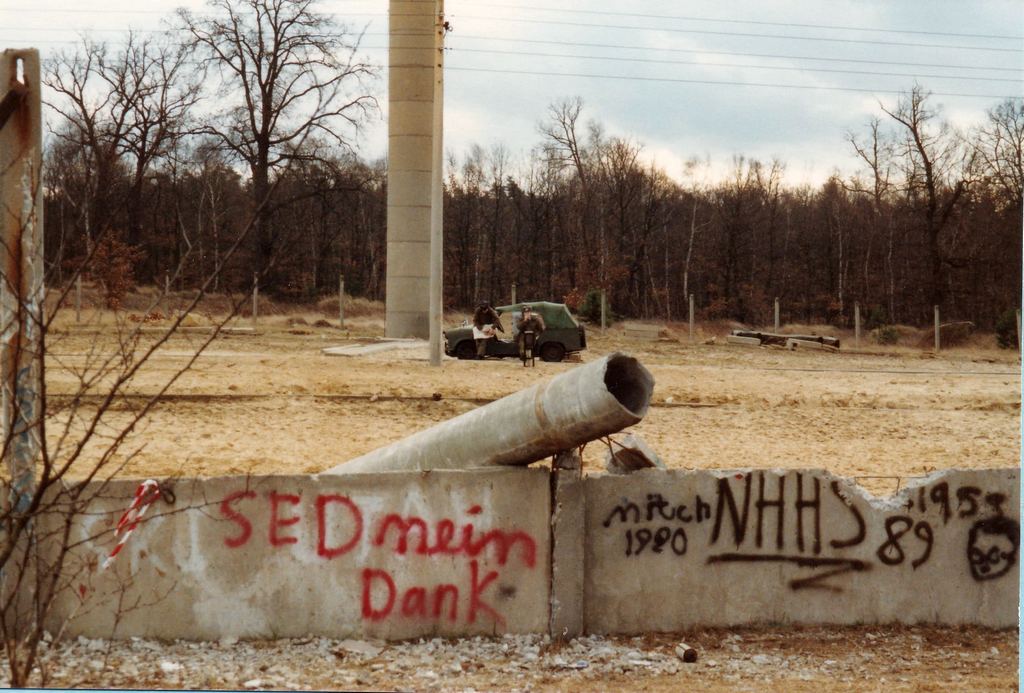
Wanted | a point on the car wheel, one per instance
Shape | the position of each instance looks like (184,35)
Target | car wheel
(552,351)
(466,349)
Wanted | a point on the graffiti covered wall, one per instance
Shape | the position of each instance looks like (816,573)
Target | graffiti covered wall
(668,550)
(388,555)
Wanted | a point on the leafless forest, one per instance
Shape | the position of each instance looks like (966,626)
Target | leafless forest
(160,150)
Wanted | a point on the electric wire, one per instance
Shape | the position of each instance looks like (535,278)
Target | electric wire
(788,68)
(787,37)
(833,27)
(721,82)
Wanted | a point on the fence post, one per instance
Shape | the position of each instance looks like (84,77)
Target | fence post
(341,301)
(513,293)
(167,284)
(936,329)
(78,297)
(691,318)
(21,263)
(255,299)
(604,311)
(776,313)
(1020,342)
(856,324)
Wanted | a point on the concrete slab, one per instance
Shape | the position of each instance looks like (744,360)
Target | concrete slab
(743,341)
(806,344)
(669,550)
(376,347)
(393,555)
(567,547)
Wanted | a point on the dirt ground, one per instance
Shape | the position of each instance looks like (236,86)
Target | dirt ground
(274,403)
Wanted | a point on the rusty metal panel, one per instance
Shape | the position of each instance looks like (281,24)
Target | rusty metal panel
(21,266)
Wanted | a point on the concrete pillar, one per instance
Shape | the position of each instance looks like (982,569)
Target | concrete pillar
(21,267)
(936,329)
(415,100)
(568,524)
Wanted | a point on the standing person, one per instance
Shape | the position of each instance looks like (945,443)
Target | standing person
(529,322)
(485,321)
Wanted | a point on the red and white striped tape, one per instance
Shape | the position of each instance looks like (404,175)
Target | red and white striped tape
(147,492)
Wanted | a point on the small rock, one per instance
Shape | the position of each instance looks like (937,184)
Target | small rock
(253,683)
(228,641)
(686,653)
(994,652)
(629,454)
(169,667)
(761,660)
(361,647)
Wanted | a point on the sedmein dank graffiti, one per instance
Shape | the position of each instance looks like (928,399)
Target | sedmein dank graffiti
(339,529)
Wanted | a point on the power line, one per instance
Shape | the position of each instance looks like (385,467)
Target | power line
(739,53)
(788,37)
(755,67)
(720,82)
(747,21)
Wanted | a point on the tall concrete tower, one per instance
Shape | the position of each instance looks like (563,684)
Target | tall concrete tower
(415,103)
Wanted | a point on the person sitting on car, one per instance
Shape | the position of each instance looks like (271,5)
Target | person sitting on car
(529,322)
(485,321)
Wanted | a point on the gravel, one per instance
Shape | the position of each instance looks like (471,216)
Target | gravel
(756,659)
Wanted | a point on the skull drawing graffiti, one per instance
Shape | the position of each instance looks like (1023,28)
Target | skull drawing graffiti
(992,547)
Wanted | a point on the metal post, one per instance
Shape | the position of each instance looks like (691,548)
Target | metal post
(513,293)
(936,329)
(255,299)
(691,318)
(856,324)
(604,311)
(341,301)
(78,298)
(776,313)
(21,267)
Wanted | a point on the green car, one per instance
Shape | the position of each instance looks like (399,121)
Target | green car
(562,334)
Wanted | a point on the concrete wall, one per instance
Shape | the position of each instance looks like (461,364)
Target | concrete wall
(392,555)
(408,554)
(670,549)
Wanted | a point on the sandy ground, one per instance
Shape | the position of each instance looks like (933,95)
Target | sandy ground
(273,403)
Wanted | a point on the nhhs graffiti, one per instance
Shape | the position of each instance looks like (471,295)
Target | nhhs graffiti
(771,518)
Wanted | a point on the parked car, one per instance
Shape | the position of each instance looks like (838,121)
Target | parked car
(562,334)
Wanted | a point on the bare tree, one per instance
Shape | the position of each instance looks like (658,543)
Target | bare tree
(877,155)
(289,76)
(120,112)
(1000,146)
(937,170)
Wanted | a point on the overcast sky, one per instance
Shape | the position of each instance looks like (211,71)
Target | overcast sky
(782,79)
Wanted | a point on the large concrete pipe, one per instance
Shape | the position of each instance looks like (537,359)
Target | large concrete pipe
(571,409)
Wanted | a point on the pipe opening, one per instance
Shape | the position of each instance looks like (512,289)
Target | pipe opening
(629,382)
